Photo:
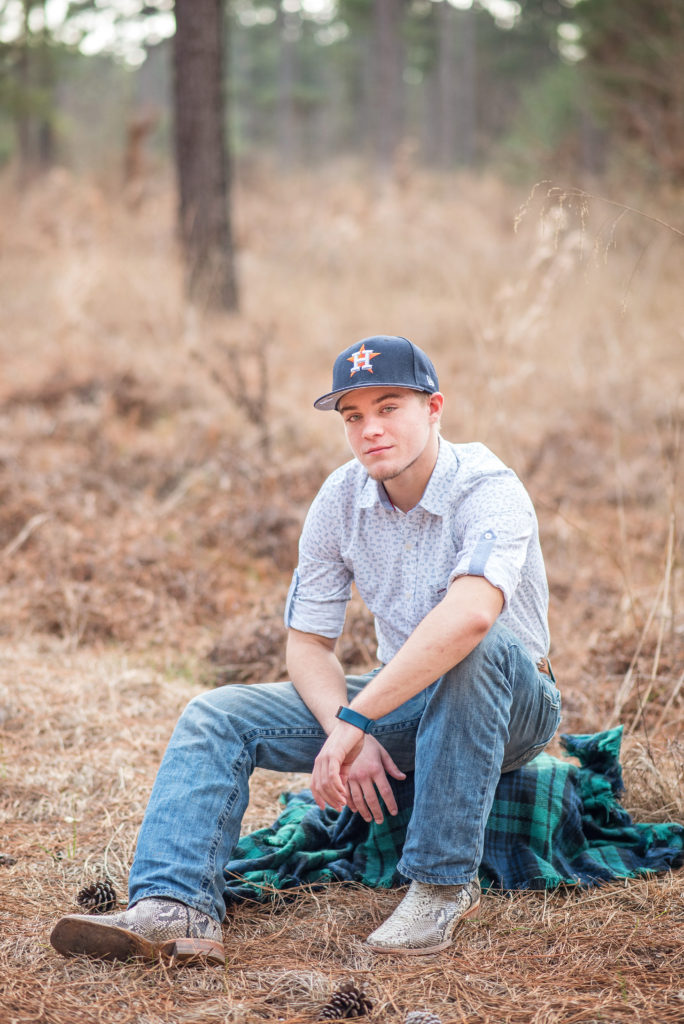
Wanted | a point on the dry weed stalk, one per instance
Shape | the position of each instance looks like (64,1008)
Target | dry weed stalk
(663,608)
(227,366)
(561,196)
(655,787)
(30,527)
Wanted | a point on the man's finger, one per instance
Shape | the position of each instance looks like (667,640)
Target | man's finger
(356,801)
(336,795)
(389,765)
(387,795)
(326,785)
(372,803)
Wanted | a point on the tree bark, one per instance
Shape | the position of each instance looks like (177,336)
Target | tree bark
(387,106)
(201,154)
(447,92)
(24,120)
(467,101)
(46,135)
(286,127)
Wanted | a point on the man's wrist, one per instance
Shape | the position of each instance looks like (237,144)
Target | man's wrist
(352,717)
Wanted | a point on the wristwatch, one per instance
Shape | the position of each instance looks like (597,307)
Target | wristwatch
(354,718)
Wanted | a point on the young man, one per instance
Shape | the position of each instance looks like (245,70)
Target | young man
(441,541)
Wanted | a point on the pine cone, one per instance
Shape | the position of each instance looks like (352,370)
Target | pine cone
(346,1001)
(422,1017)
(98,898)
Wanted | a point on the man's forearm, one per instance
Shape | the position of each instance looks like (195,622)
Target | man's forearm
(316,675)
(443,639)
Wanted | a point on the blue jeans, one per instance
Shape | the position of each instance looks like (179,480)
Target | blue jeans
(490,714)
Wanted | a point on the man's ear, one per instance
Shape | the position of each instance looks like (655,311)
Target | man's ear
(435,405)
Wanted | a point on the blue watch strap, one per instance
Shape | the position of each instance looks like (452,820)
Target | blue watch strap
(354,718)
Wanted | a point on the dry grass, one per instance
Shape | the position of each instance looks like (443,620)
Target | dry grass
(148,527)
(71,815)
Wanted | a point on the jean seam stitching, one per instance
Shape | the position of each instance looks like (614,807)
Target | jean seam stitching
(207,882)
(482,821)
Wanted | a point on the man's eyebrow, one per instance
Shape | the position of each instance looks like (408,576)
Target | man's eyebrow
(376,401)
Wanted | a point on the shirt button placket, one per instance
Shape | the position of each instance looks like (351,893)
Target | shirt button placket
(409,564)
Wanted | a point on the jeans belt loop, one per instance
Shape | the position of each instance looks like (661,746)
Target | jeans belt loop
(544,666)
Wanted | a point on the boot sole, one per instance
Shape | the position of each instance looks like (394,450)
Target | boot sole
(106,942)
(425,950)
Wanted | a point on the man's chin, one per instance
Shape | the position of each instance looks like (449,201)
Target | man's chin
(381,475)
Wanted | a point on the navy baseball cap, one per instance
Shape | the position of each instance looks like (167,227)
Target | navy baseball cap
(376,362)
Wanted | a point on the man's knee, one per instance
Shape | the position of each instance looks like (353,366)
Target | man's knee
(493,654)
(247,708)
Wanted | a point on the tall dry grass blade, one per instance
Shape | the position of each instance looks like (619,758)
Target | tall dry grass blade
(560,194)
(625,558)
(676,690)
(666,585)
(628,682)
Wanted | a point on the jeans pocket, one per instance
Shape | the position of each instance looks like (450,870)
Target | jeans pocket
(552,700)
(525,758)
(551,693)
(547,724)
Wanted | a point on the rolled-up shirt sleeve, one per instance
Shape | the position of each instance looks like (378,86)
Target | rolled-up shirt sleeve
(498,525)
(321,583)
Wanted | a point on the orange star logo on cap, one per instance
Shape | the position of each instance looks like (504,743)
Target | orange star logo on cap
(361,360)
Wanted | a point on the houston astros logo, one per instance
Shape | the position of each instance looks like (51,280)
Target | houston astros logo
(362,360)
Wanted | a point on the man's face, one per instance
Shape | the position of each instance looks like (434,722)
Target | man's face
(390,429)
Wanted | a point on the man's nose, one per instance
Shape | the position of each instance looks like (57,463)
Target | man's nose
(372,426)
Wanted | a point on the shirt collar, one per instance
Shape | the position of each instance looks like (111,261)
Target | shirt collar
(374,493)
(437,493)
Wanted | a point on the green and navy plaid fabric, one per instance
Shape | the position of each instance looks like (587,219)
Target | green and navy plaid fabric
(553,823)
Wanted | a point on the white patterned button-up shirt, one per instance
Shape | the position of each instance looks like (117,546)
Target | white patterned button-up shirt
(475,518)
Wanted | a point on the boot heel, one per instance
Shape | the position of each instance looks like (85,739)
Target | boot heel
(200,950)
(473,910)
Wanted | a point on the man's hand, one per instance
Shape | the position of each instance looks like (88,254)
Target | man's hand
(368,778)
(351,769)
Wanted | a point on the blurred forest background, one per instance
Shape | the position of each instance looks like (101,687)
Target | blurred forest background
(528,87)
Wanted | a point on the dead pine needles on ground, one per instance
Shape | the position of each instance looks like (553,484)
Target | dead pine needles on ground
(149,517)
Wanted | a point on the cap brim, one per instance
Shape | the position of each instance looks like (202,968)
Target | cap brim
(329,402)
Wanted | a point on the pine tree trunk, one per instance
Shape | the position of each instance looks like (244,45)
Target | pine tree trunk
(24,121)
(387,105)
(286,130)
(467,101)
(201,155)
(446,64)
(46,136)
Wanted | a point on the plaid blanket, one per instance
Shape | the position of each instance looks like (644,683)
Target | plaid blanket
(553,822)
